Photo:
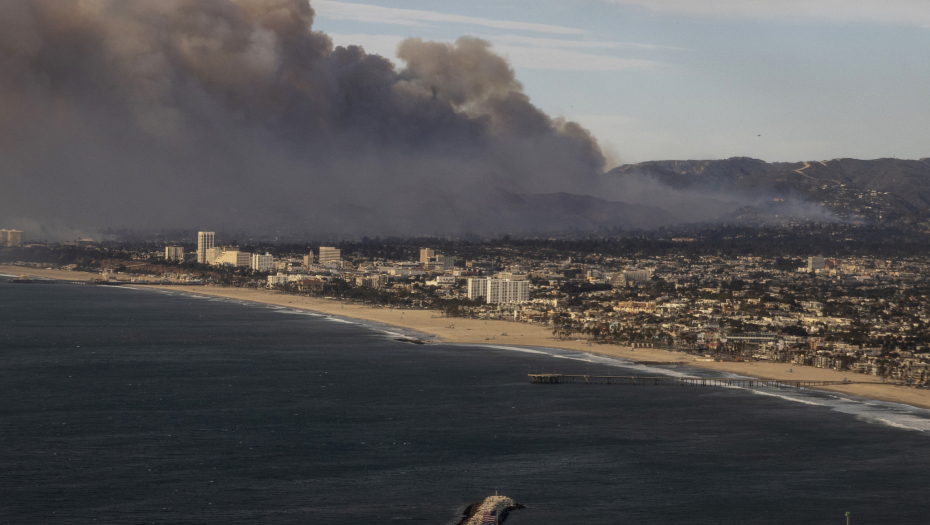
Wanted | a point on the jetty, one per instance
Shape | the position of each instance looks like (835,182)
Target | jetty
(493,509)
(558,379)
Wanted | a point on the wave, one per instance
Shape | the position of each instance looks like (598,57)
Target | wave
(894,415)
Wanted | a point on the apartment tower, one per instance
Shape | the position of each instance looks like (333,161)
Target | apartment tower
(206,242)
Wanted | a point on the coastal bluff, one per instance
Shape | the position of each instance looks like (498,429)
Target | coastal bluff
(474,514)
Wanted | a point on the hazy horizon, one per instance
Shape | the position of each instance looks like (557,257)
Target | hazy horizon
(261,115)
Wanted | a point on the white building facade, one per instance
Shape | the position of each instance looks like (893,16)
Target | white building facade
(174,253)
(206,243)
(233,258)
(329,254)
(499,291)
(11,238)
(262,263)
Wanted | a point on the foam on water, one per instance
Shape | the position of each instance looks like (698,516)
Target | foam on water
(905,417)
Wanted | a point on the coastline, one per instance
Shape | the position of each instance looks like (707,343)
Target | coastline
(480,332)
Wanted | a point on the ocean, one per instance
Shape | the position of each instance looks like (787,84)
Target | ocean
(122,405)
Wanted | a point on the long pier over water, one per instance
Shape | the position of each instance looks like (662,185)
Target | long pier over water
(557,379)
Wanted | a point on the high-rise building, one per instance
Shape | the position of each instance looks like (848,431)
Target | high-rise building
(308,259)
(262,263)
(499,291)
(507,291)
(4,237)
(815,263)
(426,254)
(15,238)
(206,241)
(174,253)
(329,254)
(477,288)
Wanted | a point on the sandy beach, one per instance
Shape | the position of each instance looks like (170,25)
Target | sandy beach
(474,331)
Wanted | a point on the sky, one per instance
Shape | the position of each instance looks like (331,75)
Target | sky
(786,80)
(481,116)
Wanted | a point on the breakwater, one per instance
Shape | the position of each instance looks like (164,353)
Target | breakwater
(493,509)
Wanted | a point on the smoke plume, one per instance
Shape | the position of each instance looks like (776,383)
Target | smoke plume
(236,114)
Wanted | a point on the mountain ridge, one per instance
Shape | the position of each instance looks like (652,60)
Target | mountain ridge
(882,190)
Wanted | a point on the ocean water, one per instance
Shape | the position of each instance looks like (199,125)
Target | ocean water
(133,406)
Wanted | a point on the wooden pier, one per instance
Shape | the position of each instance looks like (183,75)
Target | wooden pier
(558,379)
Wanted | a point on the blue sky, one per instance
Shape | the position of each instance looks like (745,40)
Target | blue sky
(780,80)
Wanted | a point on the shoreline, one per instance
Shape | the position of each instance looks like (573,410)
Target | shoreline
(492,332)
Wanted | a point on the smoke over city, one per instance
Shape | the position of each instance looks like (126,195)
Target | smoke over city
(235,114)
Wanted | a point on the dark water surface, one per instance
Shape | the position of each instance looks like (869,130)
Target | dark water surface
(130,406)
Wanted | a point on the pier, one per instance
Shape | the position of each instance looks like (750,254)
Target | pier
(558,379)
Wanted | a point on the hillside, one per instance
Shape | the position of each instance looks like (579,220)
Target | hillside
(882,190)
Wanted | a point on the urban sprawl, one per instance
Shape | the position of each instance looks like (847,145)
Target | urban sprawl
(860,314)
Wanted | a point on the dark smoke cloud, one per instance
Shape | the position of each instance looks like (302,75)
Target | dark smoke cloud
(235,114)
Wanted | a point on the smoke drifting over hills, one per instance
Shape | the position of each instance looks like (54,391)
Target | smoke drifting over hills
(236,114)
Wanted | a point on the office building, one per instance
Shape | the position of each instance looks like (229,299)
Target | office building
(174,253)
(4,237)
(206,247)
(436,262)
(308,259)
(446,262)
(262,263)
(815,263)
(499,291)
(329,254)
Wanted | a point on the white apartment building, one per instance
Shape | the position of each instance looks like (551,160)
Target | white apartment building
(283,278)
(504,291)
(477,288)
(11,238)
(233,257)
(329,254)
(206,244)
(280,278)
(174,253)
(499,291)
(262,263)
